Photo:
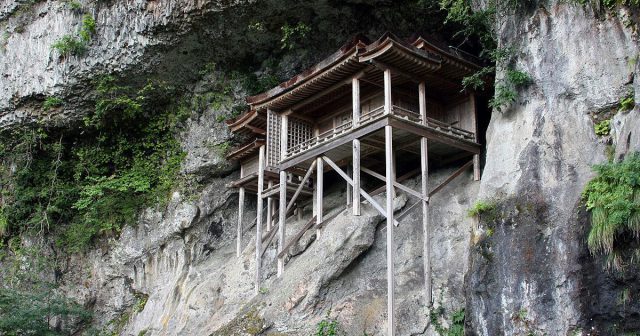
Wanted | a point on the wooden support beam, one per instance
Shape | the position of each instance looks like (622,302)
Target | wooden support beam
(240,219)
(349,189)
(404,177)
(391,322)
(396,184)
(356,177)
(387,92)
(355,97)
(319,190)
(301,186)
(269,207)
(282,253)
(424,167)
(350,181)
(476,157)
(451,177)
(259,219)
(283,219)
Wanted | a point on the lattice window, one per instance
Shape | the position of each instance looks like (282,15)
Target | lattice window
(273,139)
(299,132)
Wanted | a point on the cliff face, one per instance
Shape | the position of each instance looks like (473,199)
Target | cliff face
(175,272)
(539,276)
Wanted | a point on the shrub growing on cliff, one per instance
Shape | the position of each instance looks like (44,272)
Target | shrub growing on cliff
(83,182)
(613,197)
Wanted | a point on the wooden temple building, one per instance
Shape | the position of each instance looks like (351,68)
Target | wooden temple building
(367,100)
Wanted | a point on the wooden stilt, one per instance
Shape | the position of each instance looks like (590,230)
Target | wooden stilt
(391,323)
(283,218)
(259,219)
(356,177)
(319,190)
(349,195)
(356,146)
(269,208)
(387,91)
(476,157)
(424,168)
(240,220)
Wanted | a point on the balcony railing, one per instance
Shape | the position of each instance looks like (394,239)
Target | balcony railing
(372,115)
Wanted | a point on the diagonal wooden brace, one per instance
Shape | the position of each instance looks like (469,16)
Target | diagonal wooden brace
(362,192)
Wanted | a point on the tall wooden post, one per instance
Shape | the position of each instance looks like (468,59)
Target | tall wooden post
(356,146)
(424,165)
(349,195)
(284,137)
(387,92)
(391,323)
(476,157)
(283,218)
(269,208)
(259,219)
(319,189)
(240,220)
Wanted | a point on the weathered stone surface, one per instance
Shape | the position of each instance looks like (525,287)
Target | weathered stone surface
(530,275)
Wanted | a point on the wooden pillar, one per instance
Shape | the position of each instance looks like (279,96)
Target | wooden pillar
(319,189)
(356,147)
(424,165)
(387,92)
(284,132)
(391,323)
(259,218)
(269,208)
(240,220)
(476,157)
(349,195)
(283,218)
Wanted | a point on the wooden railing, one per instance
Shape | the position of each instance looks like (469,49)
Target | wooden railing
(372,115)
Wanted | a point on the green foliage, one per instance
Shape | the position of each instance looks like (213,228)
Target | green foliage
(609,4)
(29,313)
(77,45)
(293,35)
(74,5)
(4,223)
(481,207)
(506,89)
(141,302)
(51,102)
(82,183)
(603,128)
(88,27)
(69,45)
(480,24)
(456,326)
(627,103)
(613,197)
(328,327)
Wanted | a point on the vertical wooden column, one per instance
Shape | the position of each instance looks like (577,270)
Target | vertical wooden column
(387,92)
(476,157)
(355,84)
(319,189)
(240,220)
(391,323)
(269,208)
(283,218)
(424,165)
(284,137)
(349,195)
(259,218)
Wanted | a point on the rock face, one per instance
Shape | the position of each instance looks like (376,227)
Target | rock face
(535,274)
(523,269)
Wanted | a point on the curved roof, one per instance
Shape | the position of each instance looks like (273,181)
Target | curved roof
(420,57)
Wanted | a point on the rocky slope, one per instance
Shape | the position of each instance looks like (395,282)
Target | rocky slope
(176,273)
